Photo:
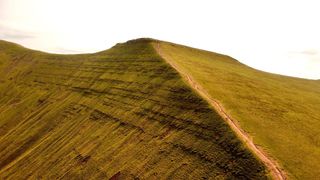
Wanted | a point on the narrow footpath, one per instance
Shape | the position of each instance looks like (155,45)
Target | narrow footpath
(272,165)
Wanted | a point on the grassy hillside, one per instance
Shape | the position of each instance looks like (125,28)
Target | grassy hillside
(282,114)
(123,112)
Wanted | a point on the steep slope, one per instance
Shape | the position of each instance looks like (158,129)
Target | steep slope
(121,112)
(274,168)
(281,114)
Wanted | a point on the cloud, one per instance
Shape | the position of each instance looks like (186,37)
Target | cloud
(13,34)
(310,52)
(309,55)
(306,52)
(66,51)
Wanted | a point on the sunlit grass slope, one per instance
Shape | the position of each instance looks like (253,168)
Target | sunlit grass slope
(123,110)
(282,114)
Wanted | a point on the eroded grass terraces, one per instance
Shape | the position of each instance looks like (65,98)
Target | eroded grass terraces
(121,110)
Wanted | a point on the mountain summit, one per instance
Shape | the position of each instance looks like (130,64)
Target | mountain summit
(148,109)
(121,112)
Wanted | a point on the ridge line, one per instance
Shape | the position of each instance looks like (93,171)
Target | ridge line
(271,164)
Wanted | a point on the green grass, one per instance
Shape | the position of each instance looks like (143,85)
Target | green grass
(281,113)
(123,110)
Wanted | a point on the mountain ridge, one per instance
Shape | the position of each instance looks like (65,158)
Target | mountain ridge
(149,40)
(276,171)
(123,111)
(278,112)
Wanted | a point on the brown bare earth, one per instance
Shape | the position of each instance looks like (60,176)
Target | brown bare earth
(272,165)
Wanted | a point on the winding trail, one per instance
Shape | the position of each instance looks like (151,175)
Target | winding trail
(273,167)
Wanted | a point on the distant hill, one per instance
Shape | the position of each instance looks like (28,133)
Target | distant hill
(280,113)
(123,112)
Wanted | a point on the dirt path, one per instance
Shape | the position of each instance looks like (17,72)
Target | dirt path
(272,165)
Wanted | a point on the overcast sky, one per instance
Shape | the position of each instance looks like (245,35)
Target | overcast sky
(280,36)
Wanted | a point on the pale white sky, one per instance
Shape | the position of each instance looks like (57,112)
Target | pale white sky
(280,36)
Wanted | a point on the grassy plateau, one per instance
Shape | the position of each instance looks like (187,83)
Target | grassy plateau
(127,113)
(281,114)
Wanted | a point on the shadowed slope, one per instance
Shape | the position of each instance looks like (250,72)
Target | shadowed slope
(122,110)
(272,166)
(282,114)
